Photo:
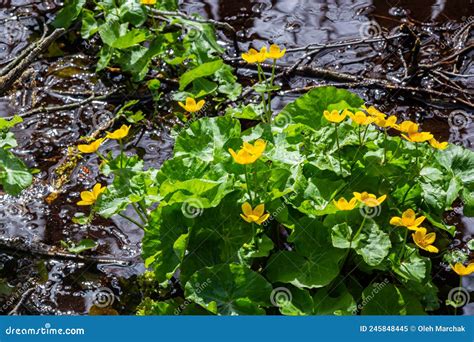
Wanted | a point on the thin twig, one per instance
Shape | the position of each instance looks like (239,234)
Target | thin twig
(216,23)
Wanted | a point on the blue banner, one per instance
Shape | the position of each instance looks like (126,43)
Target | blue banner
(230,329)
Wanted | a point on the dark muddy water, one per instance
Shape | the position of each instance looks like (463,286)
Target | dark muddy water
(55,285)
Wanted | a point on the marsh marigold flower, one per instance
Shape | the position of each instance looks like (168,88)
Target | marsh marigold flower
(118,134)
(254,56)
(92,147)
(249,153)
(408,220)
(374,112)
(334,116)
(275,52)
(462,270)
(148,2)
(369,200)
(425,241)
(389,122)
(360,118)
(418,137)
(343,204)
(254,215)
(90,197)
(438,145)
(191,106)
(407,127)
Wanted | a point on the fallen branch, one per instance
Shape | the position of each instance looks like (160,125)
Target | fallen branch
(216,23)
(16,68)
(360,81)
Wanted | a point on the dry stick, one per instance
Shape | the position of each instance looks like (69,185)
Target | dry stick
(216,23)
(23,299)
(359,80)
(7,80)
(45,252)
(49,109)
(318,47)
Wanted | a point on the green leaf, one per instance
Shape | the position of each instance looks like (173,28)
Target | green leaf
(203,70)
(14,176)
(315,262)
(411,267)
(70,12)
(372,243)
(292,301)
(233,289)
(82,246)
(89,26)
(387,299)
(118,35)
(6,124)
(336,302)
(308,109)
(206,138)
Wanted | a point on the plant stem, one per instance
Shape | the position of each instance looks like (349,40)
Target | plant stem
(131,220)
(139,213)
(269,115)
(338,149)
(456,305)
(396,150)
(359,230)
(384,146)
(248,185)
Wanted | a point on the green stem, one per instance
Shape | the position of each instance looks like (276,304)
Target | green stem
(139,213)
(396,150)
(359,230)
(131,220)
(338,150)
(248,185)
(384,146)
(269,115)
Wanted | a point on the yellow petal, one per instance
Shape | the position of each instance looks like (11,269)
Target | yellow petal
(419,221)
(263,218)
(87,196)
(396,221)
(83,203)
(246,219)
(430,238)
(259,209)
(431,249)
(381,199)
(247,209)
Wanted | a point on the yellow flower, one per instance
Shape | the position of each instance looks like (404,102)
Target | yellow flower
(275,52)
(391,121)
(342,203)
(439,145)
(407,127)
(90,197)
(334,116)
(191,105)
(369,200)
(148,2)
(425,241)
(92,147)
(254,56)
(360,118)
(418,137)
(118,134)
(374,112)
(462,270)
(408,220)
(254,215)
(249,153)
